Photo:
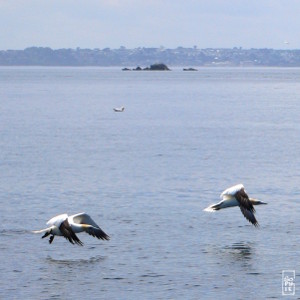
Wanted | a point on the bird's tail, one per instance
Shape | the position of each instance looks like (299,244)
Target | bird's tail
(42,230)
(212,208)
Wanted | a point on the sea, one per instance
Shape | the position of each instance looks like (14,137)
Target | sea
(145,175)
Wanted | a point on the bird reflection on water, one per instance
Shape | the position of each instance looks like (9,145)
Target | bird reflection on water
(239,252)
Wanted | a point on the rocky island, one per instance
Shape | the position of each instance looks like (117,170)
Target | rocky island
(190,69)
(154,67)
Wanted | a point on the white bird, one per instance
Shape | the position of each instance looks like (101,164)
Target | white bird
(119,109)
(68,226)
(237,196)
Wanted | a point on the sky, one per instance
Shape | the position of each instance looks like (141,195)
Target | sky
(149,23)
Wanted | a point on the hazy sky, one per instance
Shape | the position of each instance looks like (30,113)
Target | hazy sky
(150,23)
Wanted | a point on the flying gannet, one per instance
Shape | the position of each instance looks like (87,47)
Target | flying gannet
(119,109)
(237,196)
(68,226)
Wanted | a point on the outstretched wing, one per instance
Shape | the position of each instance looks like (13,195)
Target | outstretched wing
(68,233)
(228,193)
(96,232)
(246,206)
(83,218)
(57,220)
(90,226)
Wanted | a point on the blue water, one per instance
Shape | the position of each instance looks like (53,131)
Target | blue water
(145,176)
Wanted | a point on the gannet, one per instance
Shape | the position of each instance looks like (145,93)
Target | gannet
(119,109)
(68,226)
(237,196)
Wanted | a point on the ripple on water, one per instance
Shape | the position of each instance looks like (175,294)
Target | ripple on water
(10,232)
(113,278)
(152,275)
(80,261)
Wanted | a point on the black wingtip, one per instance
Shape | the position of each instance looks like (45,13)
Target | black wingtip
(106,237)
(256,225)
(102,235)
(79,243)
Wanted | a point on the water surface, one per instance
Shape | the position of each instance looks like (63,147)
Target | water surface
(145,176)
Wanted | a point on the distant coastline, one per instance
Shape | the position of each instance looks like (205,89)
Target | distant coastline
(123,57)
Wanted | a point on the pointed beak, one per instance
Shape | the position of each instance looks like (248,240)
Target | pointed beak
(261,202)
